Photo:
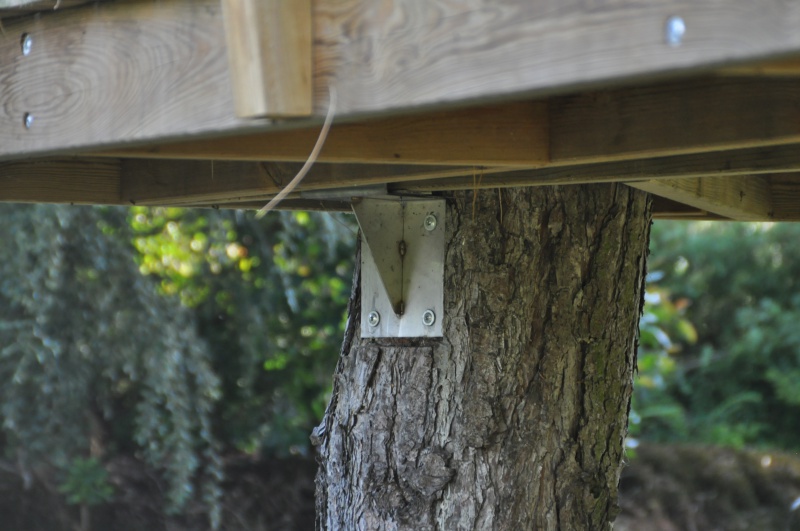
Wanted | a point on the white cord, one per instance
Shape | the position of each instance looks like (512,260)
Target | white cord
(311,158)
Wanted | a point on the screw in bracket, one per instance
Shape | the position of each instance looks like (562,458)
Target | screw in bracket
(428,318)
(430,222)
(26,43)
(374,318)
(675,30)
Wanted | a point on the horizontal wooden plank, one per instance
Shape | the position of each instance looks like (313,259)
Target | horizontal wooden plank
(78,181)
(777,68)
(674,118)
(249,185)
(753,161)
(785,196)
(10,8)
(149,71)
(114,72)
(737,197)
(660,120)
(513,134)
(154,182)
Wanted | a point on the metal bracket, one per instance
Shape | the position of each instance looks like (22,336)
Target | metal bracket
(402,266)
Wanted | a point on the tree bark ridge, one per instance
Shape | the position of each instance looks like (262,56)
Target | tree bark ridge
(516,418)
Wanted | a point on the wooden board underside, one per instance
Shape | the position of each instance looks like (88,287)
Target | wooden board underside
(147,71)
(694,116)
(733,195)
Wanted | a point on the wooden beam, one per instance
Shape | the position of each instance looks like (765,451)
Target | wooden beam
(780,68)
(78,181)
(754,161)
(150,71)
(114,72)
(667,209)
(269,51)
(709,114)
(739,198)
(159,182)
(512,134)
(786,196)
(674,118)
(18,7)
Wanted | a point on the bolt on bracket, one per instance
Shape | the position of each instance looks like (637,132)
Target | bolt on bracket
(402,266)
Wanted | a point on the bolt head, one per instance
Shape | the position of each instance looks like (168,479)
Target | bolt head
(27,120)
(26,43)
(374,318)
(675,30)
(430,222)
(428,318)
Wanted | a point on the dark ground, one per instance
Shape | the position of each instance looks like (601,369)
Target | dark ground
(664,488)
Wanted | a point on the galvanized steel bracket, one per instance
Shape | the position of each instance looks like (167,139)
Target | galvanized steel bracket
(402,266)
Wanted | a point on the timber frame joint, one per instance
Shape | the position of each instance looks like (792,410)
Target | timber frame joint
(402,265)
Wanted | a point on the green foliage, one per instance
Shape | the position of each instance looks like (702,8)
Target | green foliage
(269,299)
(663,329)
(737,384)
(207,359)
(86,483)
(83,335)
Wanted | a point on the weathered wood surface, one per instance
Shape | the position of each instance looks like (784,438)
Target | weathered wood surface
(269,46)
(512,134)
(708,114)
(672,118)
(153,182)
(754,161)
(78,181)
(740,198)
(738,185)
(17,7)
(150,70)
(114,72)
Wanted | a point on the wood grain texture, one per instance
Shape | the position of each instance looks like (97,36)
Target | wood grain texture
(512,134)
(17,7)
(785,196)
(78,181)
(709,114)
(779,68)
(673,118)
(269,50)
(114,72)
(754,161)
(424,52)
(150,71)
(158,182)
(737,197)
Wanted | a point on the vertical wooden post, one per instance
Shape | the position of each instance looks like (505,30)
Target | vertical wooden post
(269,51)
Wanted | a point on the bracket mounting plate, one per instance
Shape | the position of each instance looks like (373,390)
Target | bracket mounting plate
(402,266)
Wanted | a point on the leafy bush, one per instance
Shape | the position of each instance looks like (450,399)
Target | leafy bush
(86,482)
(738,383)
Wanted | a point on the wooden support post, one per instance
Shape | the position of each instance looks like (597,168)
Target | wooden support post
(269,51)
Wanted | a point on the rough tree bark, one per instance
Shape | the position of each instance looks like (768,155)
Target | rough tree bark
(516,418)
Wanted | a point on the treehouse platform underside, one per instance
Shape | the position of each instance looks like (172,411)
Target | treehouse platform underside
(163,102)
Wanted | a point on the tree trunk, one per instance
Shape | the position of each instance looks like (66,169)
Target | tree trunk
(515,420)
